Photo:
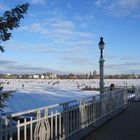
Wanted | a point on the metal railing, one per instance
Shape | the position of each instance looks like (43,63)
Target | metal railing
(137,93)
(70,120)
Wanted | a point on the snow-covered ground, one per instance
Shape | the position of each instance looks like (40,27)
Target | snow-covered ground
(31,94)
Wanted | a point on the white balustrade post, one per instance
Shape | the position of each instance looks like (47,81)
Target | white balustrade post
(66,119)
(82,113)
(93,110)
(137,93)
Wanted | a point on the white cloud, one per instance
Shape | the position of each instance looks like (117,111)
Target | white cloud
(37,1)
(43,48)
(11,66)
(5,62)
(128,3)
(100,2)
(35,27)
(60,32)
(51,26)
(84,42)
(86,34)
(69,5)
(74,49)
(119,7)
(3,7)
(128,65)
(78,60)
(125,68)
(58,23)
(83,20)
(137,15)
(33,47)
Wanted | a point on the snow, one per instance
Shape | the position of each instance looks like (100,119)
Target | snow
(32,94)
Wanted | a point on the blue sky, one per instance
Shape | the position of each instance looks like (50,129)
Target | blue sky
(63,36)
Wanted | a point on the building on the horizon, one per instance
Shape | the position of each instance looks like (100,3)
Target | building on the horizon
(92,74)
(95,74)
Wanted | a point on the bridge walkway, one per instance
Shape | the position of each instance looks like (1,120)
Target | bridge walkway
(125,126)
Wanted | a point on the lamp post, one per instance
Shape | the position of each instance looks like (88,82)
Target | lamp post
(101,62)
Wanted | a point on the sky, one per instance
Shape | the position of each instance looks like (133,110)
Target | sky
(62,36)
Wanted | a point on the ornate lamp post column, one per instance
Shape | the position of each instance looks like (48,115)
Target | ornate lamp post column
(101,62)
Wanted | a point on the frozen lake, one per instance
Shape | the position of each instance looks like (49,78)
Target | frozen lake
(31,94)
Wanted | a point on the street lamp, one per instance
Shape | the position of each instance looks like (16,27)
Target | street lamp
(101,62)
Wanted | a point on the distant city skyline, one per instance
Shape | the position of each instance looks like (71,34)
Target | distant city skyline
(62,36)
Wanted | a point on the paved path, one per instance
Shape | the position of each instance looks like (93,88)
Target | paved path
(125,126)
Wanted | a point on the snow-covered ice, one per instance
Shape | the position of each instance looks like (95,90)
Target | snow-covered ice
(31,94)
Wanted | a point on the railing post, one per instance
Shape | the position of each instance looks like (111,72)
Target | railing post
(137,94)
(82,113)
(42,128)
(102,105)
(125,96)
(18,130)
(93,110)
(65,120)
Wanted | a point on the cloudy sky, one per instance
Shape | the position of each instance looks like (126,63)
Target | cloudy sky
(63,36)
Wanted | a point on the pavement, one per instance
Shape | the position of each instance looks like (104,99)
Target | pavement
(125,126)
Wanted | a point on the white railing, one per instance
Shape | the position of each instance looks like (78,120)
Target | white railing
(133,93)
(70,120)
(137,93)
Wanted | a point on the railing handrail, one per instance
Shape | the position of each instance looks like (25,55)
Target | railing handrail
(58,105)
(51,123)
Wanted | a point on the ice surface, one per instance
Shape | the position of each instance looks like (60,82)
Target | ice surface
(31,94)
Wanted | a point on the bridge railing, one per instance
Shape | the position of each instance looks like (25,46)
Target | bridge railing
(70,120)
(137,93)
